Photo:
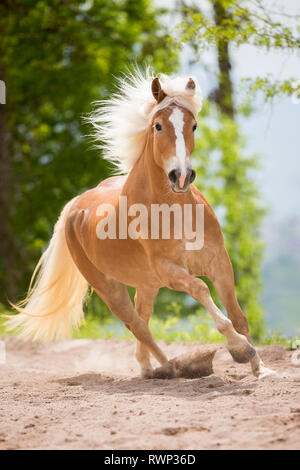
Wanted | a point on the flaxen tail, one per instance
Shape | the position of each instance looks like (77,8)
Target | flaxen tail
(53,305)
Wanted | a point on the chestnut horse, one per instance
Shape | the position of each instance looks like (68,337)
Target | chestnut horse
(147,130)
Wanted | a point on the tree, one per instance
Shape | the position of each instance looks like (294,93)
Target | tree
(229,24)
(224,169)
(56,57)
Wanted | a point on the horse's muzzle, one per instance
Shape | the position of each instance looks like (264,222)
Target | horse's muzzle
(180,181)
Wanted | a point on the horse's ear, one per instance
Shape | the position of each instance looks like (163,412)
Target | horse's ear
(157,90)
(190,84)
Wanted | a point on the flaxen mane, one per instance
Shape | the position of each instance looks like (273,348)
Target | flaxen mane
(120,123)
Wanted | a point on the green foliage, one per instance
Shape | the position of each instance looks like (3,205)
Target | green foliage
(197,327)
(3,311)
(57,58)
(275,337)
(245,23)
(250,23)
(271,88)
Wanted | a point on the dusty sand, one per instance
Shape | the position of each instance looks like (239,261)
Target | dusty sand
(86,394)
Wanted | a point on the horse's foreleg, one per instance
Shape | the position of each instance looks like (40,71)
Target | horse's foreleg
(178,278)
(143,300)
(223,278)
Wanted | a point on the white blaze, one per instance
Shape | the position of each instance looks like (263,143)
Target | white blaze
(177,119)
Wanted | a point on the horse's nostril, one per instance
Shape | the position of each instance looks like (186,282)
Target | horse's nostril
(173,176)
(192,176)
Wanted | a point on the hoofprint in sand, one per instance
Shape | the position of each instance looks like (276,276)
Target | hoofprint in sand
(88,394)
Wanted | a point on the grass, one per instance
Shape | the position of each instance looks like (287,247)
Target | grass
(3,311)
(197,327)
(193,328)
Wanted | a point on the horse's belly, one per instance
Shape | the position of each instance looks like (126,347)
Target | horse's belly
(126,262)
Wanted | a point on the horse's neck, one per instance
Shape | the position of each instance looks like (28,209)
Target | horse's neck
(153,177)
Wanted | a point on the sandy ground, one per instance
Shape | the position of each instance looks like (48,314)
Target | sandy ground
(87,394)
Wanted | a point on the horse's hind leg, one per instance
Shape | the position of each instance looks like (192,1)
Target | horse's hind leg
(114,294)
(223,279)
(144,306)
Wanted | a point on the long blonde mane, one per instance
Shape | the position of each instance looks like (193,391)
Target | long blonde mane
(120,123)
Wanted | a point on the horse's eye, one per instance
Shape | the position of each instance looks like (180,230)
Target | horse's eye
(194,127)
(158,127)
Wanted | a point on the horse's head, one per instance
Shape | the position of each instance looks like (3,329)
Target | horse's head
(173,129)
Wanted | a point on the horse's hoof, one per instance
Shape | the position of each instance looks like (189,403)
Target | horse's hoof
(167,371)
(147,373)
(242,354)
(191,365)
(265,372)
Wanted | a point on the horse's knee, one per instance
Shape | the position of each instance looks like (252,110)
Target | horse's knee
(224,325)
(200,291)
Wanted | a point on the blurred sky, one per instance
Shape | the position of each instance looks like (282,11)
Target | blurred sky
(274,131)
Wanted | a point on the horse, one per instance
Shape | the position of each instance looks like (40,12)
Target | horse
(147,131)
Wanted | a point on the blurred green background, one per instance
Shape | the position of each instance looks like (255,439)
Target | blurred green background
(57,57)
